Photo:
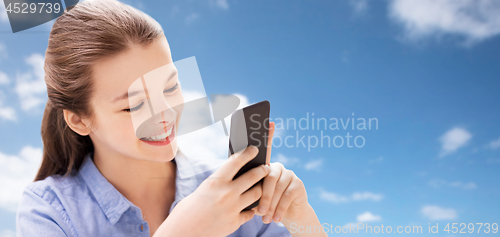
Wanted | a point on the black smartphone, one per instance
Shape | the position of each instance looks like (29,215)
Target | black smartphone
(250,126)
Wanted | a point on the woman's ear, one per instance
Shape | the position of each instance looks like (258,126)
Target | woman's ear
(76,123)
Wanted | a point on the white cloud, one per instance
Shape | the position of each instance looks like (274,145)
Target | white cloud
(377,160)
(453,139)
(421,173)
(192,17)
(207,147)
(3,12)
(30,87)
(243,103)
(359,6)
(357,196)
(474,20)
(437,183)
(174,11)
(7,233)
(290,161)
(436,213)
(278,133)
(3,51)
(313,165)
(4,79)
(367,196)
(16,171)
(286,161)
(190,95)
(368,217)
(495,144)
(346,57)
(467,186)
(6,113)
(333,197)
(351,225)
(493,161)
(222,4)
(243,100)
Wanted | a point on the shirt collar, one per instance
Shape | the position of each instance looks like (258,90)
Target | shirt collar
(189,167)
(112,202)
(189,175)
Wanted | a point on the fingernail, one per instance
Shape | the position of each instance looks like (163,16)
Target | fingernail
(262,210)
(276,218)
(268,168)
(266,219)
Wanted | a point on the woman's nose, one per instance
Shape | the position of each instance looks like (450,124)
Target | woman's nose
(159,103)
(165,116)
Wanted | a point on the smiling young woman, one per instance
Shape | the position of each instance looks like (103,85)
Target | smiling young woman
(95,176)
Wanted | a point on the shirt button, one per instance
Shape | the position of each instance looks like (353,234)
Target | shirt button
(142,227)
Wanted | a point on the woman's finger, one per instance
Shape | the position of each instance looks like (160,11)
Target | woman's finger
(235,162)
(251,196)
(272,127)
(281,186)
(286,199)
(270,182)
(251,177)
(246,216)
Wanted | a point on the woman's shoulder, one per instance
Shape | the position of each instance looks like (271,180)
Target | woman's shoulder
(55,192)
(57,185)
(43,206)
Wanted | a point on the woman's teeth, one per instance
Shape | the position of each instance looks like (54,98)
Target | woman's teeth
(159,137)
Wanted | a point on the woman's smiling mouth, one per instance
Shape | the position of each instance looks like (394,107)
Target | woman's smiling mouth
(161,139)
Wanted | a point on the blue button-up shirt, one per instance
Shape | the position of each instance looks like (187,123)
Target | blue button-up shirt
(86,204)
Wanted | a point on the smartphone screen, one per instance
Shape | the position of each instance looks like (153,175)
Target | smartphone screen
(250,126)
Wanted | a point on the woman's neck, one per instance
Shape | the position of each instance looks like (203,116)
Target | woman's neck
(147,184)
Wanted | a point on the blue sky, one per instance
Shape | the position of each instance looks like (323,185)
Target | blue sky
(427,70)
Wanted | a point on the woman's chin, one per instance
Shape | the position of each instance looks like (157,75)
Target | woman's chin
(165,154)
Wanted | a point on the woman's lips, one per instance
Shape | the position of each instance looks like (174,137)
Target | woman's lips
(162,142)
(164,130)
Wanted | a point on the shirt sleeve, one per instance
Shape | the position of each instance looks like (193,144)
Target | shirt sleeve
(40,215)
(274,229)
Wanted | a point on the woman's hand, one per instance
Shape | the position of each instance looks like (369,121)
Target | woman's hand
(284,198)
(215,207)
(284,194)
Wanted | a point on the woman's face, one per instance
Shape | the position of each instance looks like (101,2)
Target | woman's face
(137,101)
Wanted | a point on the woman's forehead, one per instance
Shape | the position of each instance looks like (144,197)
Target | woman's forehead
(113,75)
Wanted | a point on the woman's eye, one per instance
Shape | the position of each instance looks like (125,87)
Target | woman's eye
(171,89)
(135,108)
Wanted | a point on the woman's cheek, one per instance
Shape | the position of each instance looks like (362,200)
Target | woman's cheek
(122,132)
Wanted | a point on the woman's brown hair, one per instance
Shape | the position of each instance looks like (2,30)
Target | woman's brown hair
(85,33)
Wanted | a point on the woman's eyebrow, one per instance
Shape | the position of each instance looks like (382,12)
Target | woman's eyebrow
(133,93)
(126,95)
